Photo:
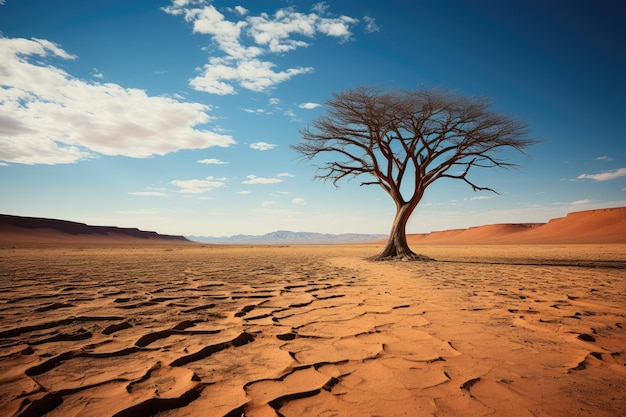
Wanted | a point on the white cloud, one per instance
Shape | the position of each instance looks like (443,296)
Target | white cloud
(209,21)
(581,202)
(242,192)
(149,193)
(182,3)
(196,186)
(274,101)
(604,158)
(241,10)
(285,174)
(97,74)
(211,161)
(252,74)
(49,117)
(274,32)
(370,24)
(604,176)
(309,106)
(299,201)
(338,27)
(253,179)
(262,146)
(268,203)
(242,42)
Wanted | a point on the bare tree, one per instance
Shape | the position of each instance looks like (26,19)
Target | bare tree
(405,141)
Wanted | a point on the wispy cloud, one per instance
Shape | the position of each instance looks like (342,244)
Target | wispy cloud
(211,161)
(268,203)
(370,24)
(257,111)
(604,158)
(604,176)
(262,146)
(285,174)
(581,202)
(291,115)
(243,38)
(299,201)
(320,7)
(197,186)
(253,179)
(198,197)
(48,116)
(97,74)
(480,197)
(309,106)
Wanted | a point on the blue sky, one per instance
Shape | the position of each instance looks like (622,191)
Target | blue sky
(177,116)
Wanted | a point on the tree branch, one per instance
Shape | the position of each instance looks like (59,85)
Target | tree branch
(425,132)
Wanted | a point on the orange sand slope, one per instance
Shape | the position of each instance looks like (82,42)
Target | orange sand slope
(306,331)
(592,226)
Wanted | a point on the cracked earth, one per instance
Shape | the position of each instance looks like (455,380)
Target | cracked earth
(194,330)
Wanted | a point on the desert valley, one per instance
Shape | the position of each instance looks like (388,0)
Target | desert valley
(509,320)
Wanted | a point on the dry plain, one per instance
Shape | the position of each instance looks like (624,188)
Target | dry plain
(200,330)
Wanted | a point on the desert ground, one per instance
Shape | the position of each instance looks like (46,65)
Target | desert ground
(200,330)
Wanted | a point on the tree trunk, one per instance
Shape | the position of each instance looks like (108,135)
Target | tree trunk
(397,246)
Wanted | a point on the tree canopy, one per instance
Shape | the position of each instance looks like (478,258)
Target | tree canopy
(404,137)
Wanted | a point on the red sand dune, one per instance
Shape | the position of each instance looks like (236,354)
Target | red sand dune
(17,229)
(591,226)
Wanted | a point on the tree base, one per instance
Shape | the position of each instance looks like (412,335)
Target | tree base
(413,257)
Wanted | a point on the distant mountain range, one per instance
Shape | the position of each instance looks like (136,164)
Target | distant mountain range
(287,237)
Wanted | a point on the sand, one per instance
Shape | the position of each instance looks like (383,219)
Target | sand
(198,330)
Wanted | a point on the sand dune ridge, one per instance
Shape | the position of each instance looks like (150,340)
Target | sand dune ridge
(591,226)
